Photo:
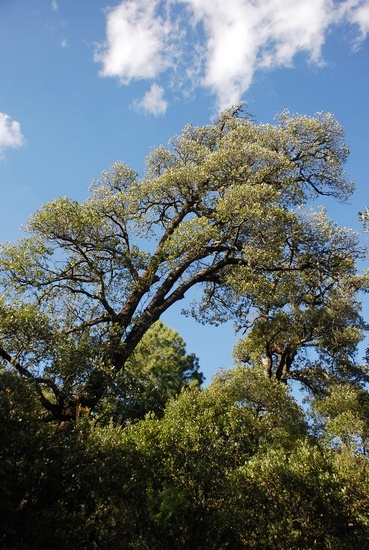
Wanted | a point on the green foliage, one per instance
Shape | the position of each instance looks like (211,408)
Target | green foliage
(230,466)
(158,370)
(343,417)
(294,500)
(316,308)
(223,208)
(233,466)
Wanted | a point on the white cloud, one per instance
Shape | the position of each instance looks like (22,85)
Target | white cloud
(235,38)
(10,134)
(244,36)
(361,17)
(54,5)
(356,12)
(136,39)
(153,101)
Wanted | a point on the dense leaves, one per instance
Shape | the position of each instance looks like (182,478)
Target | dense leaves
(232,466)
(158,369)
(317,308)
(224,208)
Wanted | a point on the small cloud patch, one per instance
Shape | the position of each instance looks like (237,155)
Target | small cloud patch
(153,101)
(11,136)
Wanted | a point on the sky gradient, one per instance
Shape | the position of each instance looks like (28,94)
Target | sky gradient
(84,83)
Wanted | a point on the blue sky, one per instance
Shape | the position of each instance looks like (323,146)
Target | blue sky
(84,83)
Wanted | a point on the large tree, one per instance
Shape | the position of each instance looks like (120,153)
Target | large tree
(223,201)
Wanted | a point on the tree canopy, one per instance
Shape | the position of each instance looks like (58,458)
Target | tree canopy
(226,208)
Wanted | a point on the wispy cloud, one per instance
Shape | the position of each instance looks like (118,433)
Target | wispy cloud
(153,101)
(234,39)
(54,5)
(356,12)
(10,134)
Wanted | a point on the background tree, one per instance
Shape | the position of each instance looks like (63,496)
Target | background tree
(158,370)
(82,289)
(234,466)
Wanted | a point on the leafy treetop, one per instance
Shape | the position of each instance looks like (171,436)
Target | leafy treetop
(223,208)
